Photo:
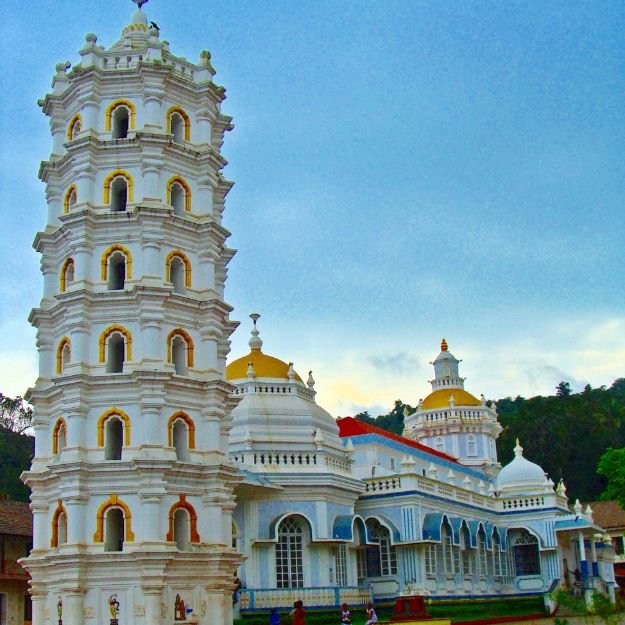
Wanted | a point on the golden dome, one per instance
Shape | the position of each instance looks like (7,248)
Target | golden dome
(440,398)
(264,367)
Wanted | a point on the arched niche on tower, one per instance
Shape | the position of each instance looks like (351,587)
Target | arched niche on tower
(113,433)
(59,436)
(116,267)
(120,118)
(116,530)
(115,348)
(63,354)
(178,124)
(183,524)
(181,434)
(67,274)
(179,195)
(178,271)
(70,199)
(74,127)
(59,526)
(180,351)
(118,190)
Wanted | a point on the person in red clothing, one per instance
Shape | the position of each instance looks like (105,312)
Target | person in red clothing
(299,614)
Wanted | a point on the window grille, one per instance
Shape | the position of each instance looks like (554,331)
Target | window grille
(289,555)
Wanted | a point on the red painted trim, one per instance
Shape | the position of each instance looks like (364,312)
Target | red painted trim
(348,426)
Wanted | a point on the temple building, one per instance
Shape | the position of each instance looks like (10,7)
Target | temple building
(341,511)
(160,475)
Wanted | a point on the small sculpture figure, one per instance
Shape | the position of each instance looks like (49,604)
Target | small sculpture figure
(114,609)
(59,610)
(180,612)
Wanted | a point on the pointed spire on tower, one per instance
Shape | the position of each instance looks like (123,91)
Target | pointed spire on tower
(518,450)
(444,346)
(255,342)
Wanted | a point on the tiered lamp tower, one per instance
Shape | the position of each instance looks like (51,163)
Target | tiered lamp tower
(452,420)
(132,490)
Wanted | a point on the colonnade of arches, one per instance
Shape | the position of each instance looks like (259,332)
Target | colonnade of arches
(115,349)
(116,269)
(114,524)
(118,192)
(114,434)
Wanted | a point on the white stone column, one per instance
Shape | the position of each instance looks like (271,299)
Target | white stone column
(41,528)
(89,115)
(203,125)
(216,611)
(152,183)
(150,247)
(73,607)
(39,605)
(153,115)
(76,520)
(152,605)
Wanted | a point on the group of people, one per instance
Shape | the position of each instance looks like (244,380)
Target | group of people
(297,616)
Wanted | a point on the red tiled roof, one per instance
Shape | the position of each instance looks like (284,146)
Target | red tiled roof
(15,518)
(348,426)
(608,514)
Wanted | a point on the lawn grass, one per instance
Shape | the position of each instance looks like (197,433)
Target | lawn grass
(455,610)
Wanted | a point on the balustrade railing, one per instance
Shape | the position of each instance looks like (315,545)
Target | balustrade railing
(321,597)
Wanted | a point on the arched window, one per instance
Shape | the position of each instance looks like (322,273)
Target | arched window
(116,272)
(525,553)
(178,269)
(446,372)
(498,557)
(381,557)
(59,526)
(120,118)
(180,351)
(181,434)
(471,445)
(113,524)
(63,354)
(447,548)
(439,443)
(178,124)
(468,554)
(67,274)
(179,195)
(116,267)
(113,433)
(118,190)
(115,348)
(74,127)
(114,532)
(70,199)
(59,436)
(183,524)
(290,553)
(482,558)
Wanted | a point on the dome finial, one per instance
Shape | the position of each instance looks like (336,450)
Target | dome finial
(518,450)
(140,3)
(444,346)
(255,342)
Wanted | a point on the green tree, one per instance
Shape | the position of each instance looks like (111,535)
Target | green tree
(563,389)
(14,415)
(612,467)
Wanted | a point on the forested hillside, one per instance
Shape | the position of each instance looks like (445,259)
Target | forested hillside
(565,433)
(16,452)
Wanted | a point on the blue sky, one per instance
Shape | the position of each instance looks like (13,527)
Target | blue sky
(404,171)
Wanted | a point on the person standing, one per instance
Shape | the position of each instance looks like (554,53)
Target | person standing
(371,615)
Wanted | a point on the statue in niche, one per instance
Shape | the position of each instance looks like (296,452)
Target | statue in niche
(180,611)
(114,609)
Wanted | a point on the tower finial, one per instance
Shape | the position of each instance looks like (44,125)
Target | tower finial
(444,345)
(518,450)
(140,3)
(255,342)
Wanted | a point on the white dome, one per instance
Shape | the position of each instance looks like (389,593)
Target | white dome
(521,476)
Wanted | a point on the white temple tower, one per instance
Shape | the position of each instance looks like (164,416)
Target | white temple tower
(132,491)
(452,420)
